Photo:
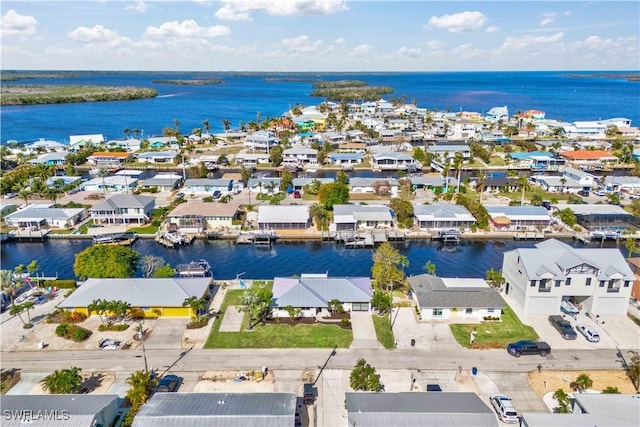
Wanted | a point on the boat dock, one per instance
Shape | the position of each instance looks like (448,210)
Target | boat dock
(200,268)
(446,236)
(122,239)
(256,239)
(528,235)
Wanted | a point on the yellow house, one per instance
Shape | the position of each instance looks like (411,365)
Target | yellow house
(153,297)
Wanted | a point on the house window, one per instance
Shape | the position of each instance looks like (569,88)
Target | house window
(588,281)
(626,283)
(437,312)
(602,283)
(558,283)
(490,310)
(568,281)
(532,283)
(468,311)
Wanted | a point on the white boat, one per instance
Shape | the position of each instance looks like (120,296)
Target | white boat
(569,308)
(200,268)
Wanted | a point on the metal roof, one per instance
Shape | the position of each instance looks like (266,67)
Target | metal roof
(596,209)
(426,409)
(442,211)
(519,212)
(139,292)
(369,182)
(124,201)
(218,409)
(204,209)
(283,214)
(318,291)
(436,292)
(352,213)
(36,213)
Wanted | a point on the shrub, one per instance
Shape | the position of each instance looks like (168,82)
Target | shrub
(73,316)
(60,284)
(80,334)
(345,322)
(72,332)
(136,314)
(198,323)
(111,327)
(61,329)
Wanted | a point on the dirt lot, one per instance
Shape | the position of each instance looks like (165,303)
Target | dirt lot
(563,379)
(226,381)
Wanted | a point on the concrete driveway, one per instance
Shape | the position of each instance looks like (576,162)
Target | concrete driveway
(364,334)
(427,335)
(166,333)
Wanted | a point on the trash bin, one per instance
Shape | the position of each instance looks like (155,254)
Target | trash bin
(474,371)
(413,342)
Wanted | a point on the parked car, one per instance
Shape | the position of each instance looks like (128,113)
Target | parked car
(168,383)
(10,195)
(589,333)
(529,347)
(217,194)
(504,408)
(296,194)
(599,193)
(564,327)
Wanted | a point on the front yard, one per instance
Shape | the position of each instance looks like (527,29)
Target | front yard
(494,334)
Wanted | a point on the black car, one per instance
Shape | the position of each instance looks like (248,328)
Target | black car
(528,347)
(564,327)
(168,383)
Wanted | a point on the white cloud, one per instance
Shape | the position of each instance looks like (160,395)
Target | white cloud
(240,10)
(459,22)
(409,52)
(492,29)
(546,21)
(521,44)
(363,49)
(97,33)
(14,24)
(188,29)
(301,44)
(466,51)
(339,41)
(140,6)
(435,45)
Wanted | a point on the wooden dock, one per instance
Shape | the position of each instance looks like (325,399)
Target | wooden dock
(528,235)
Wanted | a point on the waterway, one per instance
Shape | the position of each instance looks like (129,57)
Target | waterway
(470,258)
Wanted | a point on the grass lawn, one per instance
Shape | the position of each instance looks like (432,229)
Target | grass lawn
(383,331)
(273,335)
(494,334)
(149,229)
(497,161)
(61,231)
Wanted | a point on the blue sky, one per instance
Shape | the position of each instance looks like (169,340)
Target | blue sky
(320,35)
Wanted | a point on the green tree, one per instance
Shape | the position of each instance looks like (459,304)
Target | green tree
(633,369)
(403,210)
(318,214)
(382,301)
(17,310)
(567,216)
(197,306)
(8,284)
(611,390)
(388,266)
(150,263)
(364,377)
(286,180)
(564,402)
(630,244)
(164,271)
(106,261)
(64,381)
(523,183)
(583,382)
(335,306)
(257,305)
(495,278)
(28,306)
(430,267)
(141,386)
(98,306)
(333,193)
(275,155)
(293,312)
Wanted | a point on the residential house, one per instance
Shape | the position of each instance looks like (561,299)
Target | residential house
(129,144)
(312,293)
(218,410)
(634,264)
(533,115)
(353,147)
(454,298)
(630,184)
(77,142)
(518,218)
(157,157)
(264,185)
(394,161)
(261,140)
(161,182)
(495,184)
(358,217)
(283,218)
(300,156)
(537,160)
(299,184)
(592,129)
(47,145)
(56,158)
(462,130)
(604,217)
(447,152)
(538,279)
(156,142)
(59,182)
(251,160)
(123,209)
(108,160)
(346,159)
(425,409)
(572,181)
(153,297)
(379,186)
(429,181)
(207,186)
(390,134)
(589,159)
(111,184)
(37,216)
(443,216)
(498,113)
(60,410)
(199,217)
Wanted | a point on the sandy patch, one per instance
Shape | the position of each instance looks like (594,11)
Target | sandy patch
(95,382)
(563,379)
(226,381)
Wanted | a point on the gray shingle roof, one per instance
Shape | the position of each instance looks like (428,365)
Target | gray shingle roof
(123,201)
(432,292)
(218,409)
(317,292)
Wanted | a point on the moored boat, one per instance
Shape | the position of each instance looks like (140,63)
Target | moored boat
(200,268)
(124,239)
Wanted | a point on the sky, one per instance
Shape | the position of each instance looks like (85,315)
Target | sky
(319,35)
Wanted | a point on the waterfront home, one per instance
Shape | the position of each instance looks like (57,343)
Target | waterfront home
(390,134)
(443,216)
(37,216)
(585,179)
(207,186)
(358,217)
(123,209)
(572,181)
(60,410)
(518,218)
(108,160)
(265,185)
(589,159)
(592,129)
(157,157)
(462,130)
(153,297)
(537,160)
(199,217)
(300,156)
(311,115)
(379,186)
(311,293)
(498,113)
(161,182)
(454,298)
(261,140)
(111,184)
(496,184)
(598,217)
(77,142)
(156,142)
(45,144)
(60,182)
(532,115)
(346,159)
(429,181)
(538,279)
(352,147)
(422,408)
(394,161)
(622,183)
(283,218)
(299,184)
(251,160)
(447,152)
(50,159)
(218,410)
(130,144)
(590,409)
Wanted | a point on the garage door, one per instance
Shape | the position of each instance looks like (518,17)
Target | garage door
(611,305)
(360,306)
(540,305)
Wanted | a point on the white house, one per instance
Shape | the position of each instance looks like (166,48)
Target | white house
(380,186)
(198,217)
(517,218)
(300,156)
(357,217)
(123,209)
(261,140)
(443,216)
(108,160)
(394,161)
(283,218)
(455,298)
(36,216)
(45,144)
(157,157)
(597,279)
(111,184)
(593,129)
(207,186)
(618,183)
(50,159)
(498,113)
(346,159)
(251,160)
(79,141)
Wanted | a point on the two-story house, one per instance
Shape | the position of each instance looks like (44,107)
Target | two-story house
(394,161)
(596,279)
(300,156)
(123,209)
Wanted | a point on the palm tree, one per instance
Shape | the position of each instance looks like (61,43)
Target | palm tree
(7,284)
(630,244)
(16,310)
(33,268)
(206,125)
(227,125)
(27,306)
(103,173)
(430,267)
(197,305)
(523,183)
(316,211)
(583,382)
(142,385)
(564,401)
(98,306)
(127,132)
(65,381)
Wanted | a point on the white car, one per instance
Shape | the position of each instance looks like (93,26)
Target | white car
(589,333)
(599,193)
(504,408)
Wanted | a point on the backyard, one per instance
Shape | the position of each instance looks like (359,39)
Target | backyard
(494,334)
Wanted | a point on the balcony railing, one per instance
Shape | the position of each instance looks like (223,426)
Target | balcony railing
(547,289)
(613,290)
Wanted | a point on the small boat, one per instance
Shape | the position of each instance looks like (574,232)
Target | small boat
(123,239)
(200,268)
(569,308)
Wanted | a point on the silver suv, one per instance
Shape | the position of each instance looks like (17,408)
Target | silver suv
(504,408)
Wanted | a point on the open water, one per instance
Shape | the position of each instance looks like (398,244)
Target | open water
(243,96)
